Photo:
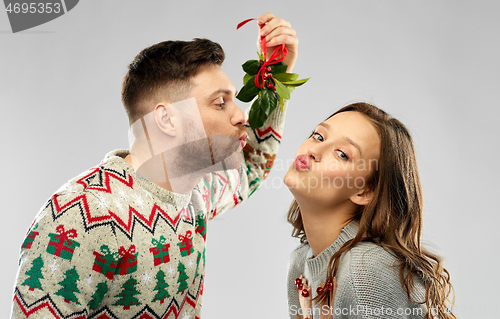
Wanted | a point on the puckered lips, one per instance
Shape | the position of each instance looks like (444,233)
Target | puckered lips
(243,139)
(302,163)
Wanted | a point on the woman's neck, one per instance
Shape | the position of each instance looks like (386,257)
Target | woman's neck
(323,225)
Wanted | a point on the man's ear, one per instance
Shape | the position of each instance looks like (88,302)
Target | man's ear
(166,118)
(362,197)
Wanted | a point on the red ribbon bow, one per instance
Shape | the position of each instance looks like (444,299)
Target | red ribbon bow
(124,252)
(273,59)
(185,239)
(65,235)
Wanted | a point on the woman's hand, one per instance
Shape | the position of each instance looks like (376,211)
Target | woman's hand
(278,31)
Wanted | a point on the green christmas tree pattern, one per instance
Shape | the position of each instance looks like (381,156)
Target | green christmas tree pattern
(102,289)
(35,274)
(197,266)
(204,258)
(127,294)
(161,287)
(201,223)
(69,286)
(182,278)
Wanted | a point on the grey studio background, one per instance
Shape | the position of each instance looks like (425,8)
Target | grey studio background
(432,64)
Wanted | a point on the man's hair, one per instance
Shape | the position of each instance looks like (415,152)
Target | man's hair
(164,70)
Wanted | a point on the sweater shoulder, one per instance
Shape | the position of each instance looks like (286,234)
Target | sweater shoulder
(369,274)
(371,266)
(299,252)
(297,258)
(372,256)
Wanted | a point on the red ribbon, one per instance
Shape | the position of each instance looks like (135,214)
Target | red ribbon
(280,50)
(65,235)
(187,238)
(128,252)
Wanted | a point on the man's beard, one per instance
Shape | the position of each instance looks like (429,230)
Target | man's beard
(200,155)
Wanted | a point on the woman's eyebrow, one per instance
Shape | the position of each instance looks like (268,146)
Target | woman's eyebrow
(346,138)
(327,126)
(356,145)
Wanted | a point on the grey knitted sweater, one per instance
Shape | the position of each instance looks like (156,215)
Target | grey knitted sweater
(368,284)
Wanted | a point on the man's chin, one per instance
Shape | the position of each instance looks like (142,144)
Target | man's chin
(234,161)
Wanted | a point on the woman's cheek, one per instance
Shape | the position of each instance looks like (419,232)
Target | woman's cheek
(340,176)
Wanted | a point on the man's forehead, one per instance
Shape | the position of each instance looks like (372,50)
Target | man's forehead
(212,84)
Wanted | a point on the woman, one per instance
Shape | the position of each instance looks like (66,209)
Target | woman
(358,214)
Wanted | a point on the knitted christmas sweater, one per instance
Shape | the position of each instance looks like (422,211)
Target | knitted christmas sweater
(111,244)
(368,284)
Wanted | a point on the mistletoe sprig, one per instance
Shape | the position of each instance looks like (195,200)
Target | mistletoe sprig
(267,80)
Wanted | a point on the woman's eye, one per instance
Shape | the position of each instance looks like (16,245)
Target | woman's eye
(317,136)
(342,155)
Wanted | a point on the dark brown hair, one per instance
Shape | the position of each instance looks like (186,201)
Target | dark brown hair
(166,68)
(393,217)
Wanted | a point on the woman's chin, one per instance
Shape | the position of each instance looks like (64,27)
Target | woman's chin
(295,184)
(290,180)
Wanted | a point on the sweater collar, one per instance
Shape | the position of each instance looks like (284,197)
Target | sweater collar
(176,199)
(318,264)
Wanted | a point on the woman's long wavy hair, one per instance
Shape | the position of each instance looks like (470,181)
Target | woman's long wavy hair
(393,217)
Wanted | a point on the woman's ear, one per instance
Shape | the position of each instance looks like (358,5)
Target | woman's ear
(362,197)
(166,119)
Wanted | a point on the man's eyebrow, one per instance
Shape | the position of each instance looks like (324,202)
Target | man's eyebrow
(221,91)
(346,138)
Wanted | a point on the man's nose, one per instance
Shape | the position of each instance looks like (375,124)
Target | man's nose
(238,117)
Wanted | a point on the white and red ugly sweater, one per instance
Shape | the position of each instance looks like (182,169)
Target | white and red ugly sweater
(111,244)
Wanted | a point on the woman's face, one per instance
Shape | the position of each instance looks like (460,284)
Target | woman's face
(334,164)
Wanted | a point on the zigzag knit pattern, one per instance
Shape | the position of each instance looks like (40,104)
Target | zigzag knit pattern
(111,244)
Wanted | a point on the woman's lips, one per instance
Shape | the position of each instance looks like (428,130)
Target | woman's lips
(302,163)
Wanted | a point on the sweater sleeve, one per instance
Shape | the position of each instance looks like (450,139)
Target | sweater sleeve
(370,288)
(231,187)
(57,270)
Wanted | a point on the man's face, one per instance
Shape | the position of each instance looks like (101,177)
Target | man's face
(222,119)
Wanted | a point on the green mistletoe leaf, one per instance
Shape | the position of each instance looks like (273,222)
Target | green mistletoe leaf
(279,67)
(246,77)
(248,91)
(282,90)
(251,67)
(296,83)
(256,116)
(269,101)
(285,77)
(262,107)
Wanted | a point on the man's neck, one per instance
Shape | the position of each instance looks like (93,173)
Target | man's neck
(187,185)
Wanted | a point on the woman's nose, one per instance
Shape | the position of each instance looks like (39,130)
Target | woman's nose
(314,154)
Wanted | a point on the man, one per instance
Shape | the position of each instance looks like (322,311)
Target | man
(126,239)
